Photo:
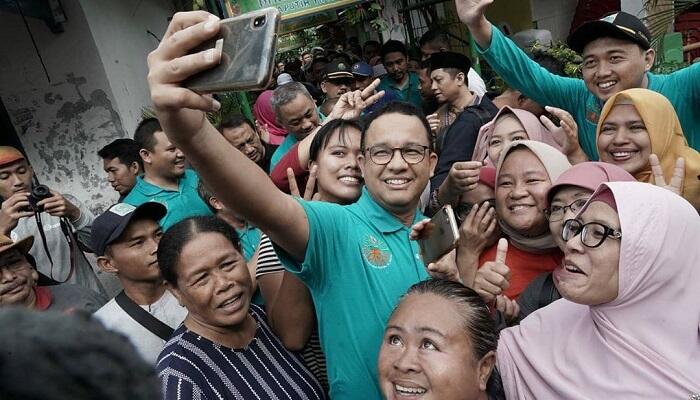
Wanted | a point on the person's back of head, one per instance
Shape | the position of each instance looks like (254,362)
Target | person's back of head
(433,41)
(144,136)
(126,150)
(52,356)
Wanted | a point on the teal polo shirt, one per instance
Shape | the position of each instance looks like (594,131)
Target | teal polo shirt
(250,240)
(359,261)
(681,88)
(181,204)
(410,92)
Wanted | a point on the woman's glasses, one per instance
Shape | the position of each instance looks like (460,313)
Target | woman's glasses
(556,213)
(593,234)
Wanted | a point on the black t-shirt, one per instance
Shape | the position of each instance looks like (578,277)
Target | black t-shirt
(264,163)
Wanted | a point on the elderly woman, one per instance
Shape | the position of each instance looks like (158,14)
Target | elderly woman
(224,348)
(628,324)
(439,344)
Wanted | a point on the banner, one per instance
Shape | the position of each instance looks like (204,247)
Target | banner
(293,8)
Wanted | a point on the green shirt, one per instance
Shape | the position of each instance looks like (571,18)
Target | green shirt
(359,261)
(250,240)
(410,92)
(181,204)
(682,88)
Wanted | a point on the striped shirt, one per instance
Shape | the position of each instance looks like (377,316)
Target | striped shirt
(193,367)
(315,361)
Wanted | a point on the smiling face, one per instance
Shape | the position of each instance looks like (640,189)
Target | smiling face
(445,87)
(590,276)
(564,197)
(299,117)
(213,282)
(17,279)
(624,140)
(166,160)
(339,178)
(133,255)
(120,176)
(506,130)
(427,354)
(397,186)
(521,192)
(246,140)
(612,65)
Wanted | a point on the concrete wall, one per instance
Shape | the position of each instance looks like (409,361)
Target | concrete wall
(554,16)
(94,93)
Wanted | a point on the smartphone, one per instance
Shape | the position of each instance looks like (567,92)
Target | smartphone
(442,236)
(248,43)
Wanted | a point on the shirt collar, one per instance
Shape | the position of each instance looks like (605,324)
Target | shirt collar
(382,219)
(149,189)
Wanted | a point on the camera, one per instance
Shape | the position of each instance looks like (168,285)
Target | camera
(39,193)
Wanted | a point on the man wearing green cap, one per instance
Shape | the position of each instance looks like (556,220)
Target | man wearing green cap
(617,55)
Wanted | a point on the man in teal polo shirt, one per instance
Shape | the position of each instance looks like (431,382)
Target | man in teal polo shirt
(165,178)
(403,84)
(296,111)
(357,260)
(616,55)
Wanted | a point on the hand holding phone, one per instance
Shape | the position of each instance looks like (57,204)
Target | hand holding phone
(440,236)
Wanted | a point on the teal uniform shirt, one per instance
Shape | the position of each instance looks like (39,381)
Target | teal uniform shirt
(250,240)
(359,261)
(682,88)
(288,143)
(409,93)
(181,204)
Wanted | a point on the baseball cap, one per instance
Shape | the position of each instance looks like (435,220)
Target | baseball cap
(111,224)
(9,154)
(362,69)
(23,245)
(284,78)
(620,25)
(337,70)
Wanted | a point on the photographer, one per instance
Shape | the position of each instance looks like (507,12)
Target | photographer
(64,220)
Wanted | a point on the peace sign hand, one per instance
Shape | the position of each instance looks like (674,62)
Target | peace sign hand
(351,104)
(676,180)
(494,276)
(310,184)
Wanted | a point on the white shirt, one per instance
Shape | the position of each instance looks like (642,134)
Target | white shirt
(148,345)
(475,83)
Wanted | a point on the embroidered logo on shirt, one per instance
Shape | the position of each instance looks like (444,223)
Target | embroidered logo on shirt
(376,252)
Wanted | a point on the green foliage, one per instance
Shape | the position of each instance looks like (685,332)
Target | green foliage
(561,52)
(230,104)
(666,67)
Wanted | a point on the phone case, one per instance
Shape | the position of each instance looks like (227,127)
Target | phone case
(442,238)
(247,57)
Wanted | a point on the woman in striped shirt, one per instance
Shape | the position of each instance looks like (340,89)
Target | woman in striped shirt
(224,349)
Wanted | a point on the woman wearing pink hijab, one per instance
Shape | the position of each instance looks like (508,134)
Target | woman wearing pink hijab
(628,326)
(510,124)
(265,117)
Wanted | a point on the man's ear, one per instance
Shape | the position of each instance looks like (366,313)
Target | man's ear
(485,368)
(323,87)
(106,265)
(649,58)
(135,168)
(215,203)
(145,156)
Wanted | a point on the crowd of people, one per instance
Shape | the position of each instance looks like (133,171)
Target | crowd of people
(278,258)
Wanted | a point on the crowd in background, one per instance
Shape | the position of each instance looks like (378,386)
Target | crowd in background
(279,257)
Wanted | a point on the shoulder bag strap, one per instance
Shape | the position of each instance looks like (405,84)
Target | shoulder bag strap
(143,317)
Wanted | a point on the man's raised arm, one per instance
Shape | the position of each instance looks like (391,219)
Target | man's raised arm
(236,180)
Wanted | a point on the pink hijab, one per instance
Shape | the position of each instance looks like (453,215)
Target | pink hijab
(589,175)
(646,342)
(262,110)
(534,128)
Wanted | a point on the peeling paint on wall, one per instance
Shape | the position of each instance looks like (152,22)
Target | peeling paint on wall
(64,150)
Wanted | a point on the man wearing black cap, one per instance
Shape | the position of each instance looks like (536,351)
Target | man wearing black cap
(461,114)
(125,239)
(617,55)
(337,79)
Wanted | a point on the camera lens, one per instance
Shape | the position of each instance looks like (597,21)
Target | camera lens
(259,21)
(41,191)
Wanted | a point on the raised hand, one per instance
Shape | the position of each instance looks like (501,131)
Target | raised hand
(494,276)
(676,184)
(351,104)
(181,111)
(463,177)
(434,122)
(13,209)
(471,11)
(509,308)
(310,184)
(478,227)
(566,134)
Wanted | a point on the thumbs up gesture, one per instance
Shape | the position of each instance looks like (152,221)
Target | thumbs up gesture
(493,277)
(677,178)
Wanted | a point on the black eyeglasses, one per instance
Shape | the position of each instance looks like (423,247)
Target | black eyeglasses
(593,234)
(463,209)
(556,213)
(382,155)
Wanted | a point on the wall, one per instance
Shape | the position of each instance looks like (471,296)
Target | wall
(554,16)
(95,94)
(60,120)
(120,31)
(634,7)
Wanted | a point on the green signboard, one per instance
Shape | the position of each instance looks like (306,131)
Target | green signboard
(293,8)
